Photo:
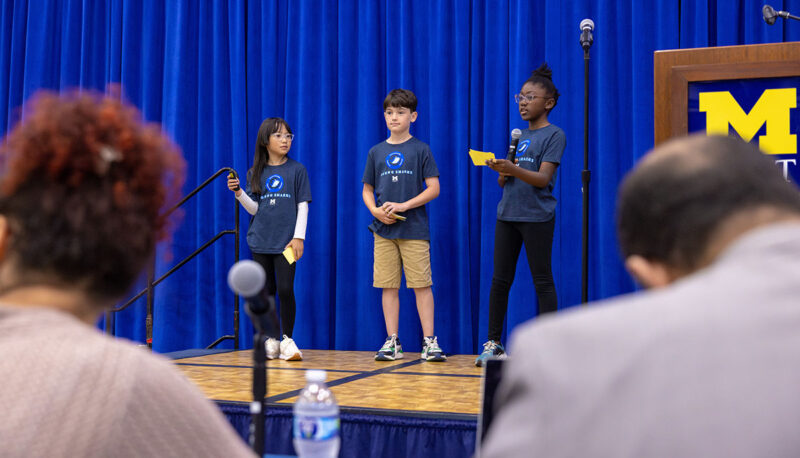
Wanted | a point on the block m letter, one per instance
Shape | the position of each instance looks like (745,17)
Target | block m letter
(773,108)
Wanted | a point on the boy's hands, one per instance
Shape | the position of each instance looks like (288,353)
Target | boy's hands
(297,247)
(394,207)
(382,215)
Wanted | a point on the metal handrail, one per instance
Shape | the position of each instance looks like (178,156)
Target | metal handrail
(151,282)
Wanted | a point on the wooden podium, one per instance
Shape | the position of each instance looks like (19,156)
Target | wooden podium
(675,69)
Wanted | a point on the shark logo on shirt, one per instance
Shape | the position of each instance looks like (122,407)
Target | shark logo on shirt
(274,183)
(523,146)
(395,160)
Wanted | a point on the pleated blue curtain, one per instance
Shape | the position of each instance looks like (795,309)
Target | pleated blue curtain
(211,71)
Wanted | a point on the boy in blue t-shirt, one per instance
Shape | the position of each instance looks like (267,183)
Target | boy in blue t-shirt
(399,179)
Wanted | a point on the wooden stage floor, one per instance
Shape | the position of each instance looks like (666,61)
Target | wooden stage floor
(408,386)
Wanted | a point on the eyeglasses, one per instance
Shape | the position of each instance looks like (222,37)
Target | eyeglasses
(282,136)
(527,98)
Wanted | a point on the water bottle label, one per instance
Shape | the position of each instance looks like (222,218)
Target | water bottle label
(316,428)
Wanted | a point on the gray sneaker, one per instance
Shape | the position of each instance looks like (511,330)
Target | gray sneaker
(431,350)
(391,349)
(491,350)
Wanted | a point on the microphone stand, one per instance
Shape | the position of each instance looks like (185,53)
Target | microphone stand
(266,324)
(586,174)
(770,15)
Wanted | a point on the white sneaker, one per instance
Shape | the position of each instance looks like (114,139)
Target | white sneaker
(273,348)
(289,350)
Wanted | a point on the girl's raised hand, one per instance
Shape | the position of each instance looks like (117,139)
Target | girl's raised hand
(233,185)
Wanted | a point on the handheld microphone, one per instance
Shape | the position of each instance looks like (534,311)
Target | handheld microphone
(247,278)
(770,15)
(587,26)
(512,148)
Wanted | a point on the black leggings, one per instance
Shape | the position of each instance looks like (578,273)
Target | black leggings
(280,280)
(508,239)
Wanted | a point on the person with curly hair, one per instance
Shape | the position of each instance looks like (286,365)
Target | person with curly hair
(83,192)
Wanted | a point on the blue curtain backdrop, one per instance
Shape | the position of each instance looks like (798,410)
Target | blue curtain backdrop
(211,71)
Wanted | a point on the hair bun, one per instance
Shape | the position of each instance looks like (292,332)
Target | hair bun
(544,71)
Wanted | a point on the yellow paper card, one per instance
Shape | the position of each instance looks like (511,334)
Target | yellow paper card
(480,157)
(288,253)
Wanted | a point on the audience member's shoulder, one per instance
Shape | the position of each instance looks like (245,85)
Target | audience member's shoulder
(39,324)
(84,345)
(610,316)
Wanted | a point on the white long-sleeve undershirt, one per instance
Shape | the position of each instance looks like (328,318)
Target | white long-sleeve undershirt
(251,207)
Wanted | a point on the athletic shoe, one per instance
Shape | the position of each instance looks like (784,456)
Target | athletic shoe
(273,348)
(391,350)
(491,350)
(289,350)
(431,350)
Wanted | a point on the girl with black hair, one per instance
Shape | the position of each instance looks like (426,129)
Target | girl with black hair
(526,213)
(277,196)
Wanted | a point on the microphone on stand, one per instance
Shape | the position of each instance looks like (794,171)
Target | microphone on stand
(247,278)
(770,15)
(587,26)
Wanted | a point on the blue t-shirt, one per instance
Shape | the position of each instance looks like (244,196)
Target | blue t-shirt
(522,201)
(283,187)
(398,173)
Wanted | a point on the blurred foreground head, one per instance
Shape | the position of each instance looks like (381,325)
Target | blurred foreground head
(689,198)
(83,191)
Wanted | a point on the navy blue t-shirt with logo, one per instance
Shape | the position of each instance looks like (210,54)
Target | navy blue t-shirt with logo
(398,173)
(283,187)
(522,201)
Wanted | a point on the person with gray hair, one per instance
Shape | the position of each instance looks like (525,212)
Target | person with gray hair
(704,363)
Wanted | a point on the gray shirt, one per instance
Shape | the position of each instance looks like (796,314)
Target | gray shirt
(522,201)
(706,367)
(398,172)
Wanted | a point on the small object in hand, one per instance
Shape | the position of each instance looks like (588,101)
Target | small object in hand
(231,175)
(480,157)
(288,253)
(398,217)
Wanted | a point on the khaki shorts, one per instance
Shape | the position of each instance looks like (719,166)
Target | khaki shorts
(394,256)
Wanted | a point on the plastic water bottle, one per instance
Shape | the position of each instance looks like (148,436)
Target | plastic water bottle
(316,419)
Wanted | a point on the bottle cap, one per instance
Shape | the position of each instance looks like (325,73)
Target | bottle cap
(316,375)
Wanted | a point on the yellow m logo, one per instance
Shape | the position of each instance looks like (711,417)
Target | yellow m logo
(772,108)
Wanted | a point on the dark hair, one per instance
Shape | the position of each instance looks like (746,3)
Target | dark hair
(671,204)
(400,98)
(84,190)
(268,127)
(543,76)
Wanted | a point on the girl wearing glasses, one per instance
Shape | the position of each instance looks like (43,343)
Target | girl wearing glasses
(277,196)
(526,213)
